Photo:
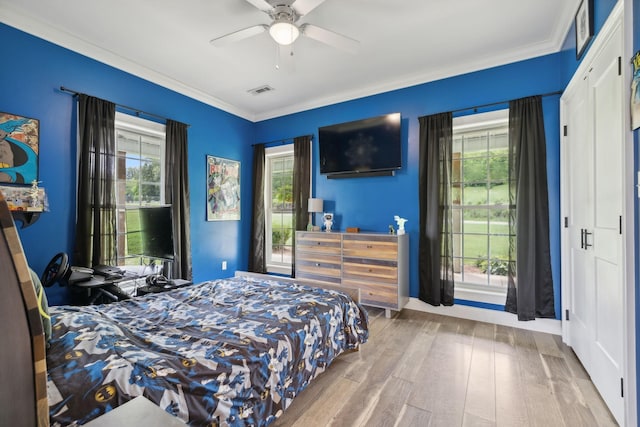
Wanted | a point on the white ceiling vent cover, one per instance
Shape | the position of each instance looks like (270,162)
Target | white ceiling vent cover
(260,90)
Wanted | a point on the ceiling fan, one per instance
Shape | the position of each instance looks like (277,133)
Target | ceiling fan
(283,28)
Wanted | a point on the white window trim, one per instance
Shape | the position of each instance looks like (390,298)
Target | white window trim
(138,124)
(148,127)
(480,120)
(472,122)
(271,152)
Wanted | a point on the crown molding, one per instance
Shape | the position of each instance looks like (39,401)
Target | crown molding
(523,53)
(14,18)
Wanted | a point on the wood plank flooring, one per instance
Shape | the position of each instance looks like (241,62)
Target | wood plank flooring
(422,369)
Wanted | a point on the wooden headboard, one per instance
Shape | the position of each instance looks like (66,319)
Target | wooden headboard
(23,371)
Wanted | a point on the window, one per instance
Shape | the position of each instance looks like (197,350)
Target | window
(140,173)
(480,196)
(279,208)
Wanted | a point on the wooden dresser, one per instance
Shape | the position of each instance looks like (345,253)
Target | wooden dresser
(377,264)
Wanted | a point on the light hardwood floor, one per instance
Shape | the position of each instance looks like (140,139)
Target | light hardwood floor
(421,369)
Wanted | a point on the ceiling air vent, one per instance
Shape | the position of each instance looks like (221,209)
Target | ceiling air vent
(260,90)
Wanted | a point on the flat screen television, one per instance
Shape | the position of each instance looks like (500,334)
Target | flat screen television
(361,147)
(150,232)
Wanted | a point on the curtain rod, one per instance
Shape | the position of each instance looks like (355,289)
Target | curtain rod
(281,141)
(558,92)
(135,110)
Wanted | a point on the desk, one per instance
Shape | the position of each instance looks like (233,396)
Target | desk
(100,289)
(97,281)
(173,284)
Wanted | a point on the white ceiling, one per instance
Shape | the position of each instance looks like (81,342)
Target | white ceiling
(402,43)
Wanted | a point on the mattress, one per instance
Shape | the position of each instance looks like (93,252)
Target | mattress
(229,352)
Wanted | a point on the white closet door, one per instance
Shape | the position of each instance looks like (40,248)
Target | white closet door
(606,240)
(578,164)
(593,199)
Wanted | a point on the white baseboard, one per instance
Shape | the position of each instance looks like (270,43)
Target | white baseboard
(550,326)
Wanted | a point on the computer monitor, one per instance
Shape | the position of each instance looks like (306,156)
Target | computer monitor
(150,232)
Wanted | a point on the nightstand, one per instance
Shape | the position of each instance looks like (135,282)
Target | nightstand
(138,412)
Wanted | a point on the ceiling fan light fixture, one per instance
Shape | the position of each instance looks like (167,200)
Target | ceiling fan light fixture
(284,32)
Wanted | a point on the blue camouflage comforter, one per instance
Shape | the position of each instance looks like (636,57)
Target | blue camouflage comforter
(227,352)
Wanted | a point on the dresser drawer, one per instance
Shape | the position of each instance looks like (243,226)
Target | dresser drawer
(318,265)
(302,255)
(310,277)
(326,243)
(378,247)
(376,294)
(372,270)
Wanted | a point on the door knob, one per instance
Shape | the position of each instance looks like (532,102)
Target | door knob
(586,239)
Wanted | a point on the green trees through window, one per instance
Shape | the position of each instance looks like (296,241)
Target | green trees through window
(142,182)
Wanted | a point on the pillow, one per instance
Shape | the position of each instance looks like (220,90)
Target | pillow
(43,305)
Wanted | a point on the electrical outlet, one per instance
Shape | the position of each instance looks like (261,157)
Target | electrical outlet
(224,265)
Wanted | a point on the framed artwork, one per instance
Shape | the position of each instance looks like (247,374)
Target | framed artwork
(584,26)
(635,92)
(223,189)
(19,147)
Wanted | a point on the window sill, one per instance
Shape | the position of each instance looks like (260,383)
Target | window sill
(278,269)
(489,296)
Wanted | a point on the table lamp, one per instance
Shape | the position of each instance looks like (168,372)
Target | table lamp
(313,206)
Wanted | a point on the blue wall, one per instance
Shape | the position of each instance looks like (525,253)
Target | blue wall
(371,203)
(30,79)
(31,88)
(33,70)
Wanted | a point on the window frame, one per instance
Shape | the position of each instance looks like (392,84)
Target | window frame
(471,123)
(271,153)
(141,127)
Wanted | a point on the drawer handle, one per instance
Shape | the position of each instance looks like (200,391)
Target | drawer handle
(370,270)
(369,246)
(317,264)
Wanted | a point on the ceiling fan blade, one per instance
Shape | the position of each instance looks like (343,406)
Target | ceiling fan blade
(330,38)
(261,4)
(239,35)
(302,7)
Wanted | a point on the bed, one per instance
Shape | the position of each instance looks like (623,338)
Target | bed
(232,351)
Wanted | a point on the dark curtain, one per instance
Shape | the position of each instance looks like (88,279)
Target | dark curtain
(177,194)
(96,202)
(301,184)
(257,261)
(435,252)
(530,292)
